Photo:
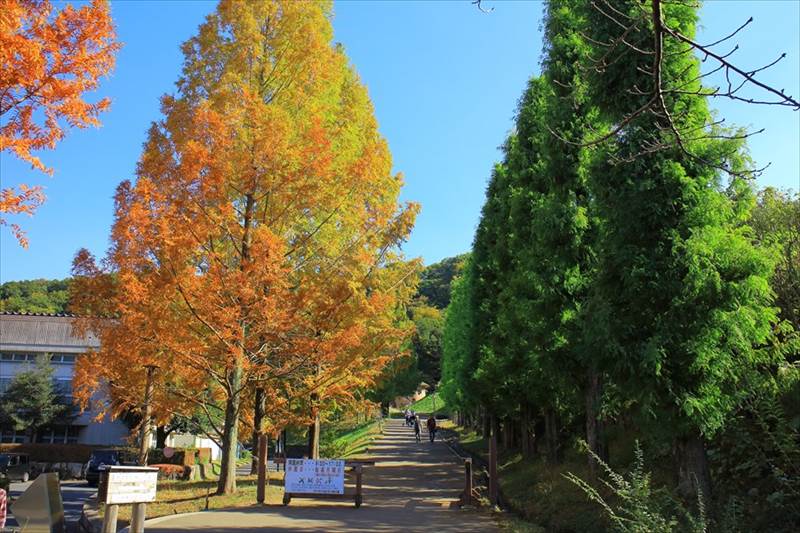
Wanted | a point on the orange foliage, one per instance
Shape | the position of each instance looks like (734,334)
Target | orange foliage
(259,244)
(48,60)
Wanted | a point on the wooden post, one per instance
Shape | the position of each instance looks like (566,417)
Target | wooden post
(467,482)
(262,468)
(137,518)
(359,499)
(493,485)
(110,519)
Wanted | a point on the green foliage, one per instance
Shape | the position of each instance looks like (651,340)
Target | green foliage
(458,344)
(436,280)
(31,402)
(35,296)
(756,463)
(776,224)
(400,378)
(650,272)
(682,298)
(427,341)
(638,507)
(424,363)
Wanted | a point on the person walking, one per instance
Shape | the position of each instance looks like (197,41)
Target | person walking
(431,427)
(408,417)
(417,429)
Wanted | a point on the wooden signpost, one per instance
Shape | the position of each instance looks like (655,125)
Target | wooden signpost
(121,485)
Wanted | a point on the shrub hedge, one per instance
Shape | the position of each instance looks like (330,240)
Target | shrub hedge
(171,471)
(52,453)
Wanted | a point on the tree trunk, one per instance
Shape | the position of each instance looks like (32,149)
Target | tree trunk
(551,435)
(487,423)
(526,431)
(494,487)
(161,437)
(230,433)
(258,421)
(693,472)
(230,430)
(313,429)
(539,432)
(147,417)
(508,434)
(595,436)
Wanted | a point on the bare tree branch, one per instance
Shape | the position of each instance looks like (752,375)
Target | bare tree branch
(480,7)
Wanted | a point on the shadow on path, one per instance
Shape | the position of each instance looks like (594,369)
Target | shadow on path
(413,487)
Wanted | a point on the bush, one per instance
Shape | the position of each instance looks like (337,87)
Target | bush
(171,471)
(182,456)
(639,507)
(52,453)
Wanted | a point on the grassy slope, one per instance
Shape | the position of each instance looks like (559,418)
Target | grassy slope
(353,441)
(424,406)
(541,494)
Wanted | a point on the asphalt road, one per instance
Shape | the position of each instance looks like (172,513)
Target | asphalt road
(73,494)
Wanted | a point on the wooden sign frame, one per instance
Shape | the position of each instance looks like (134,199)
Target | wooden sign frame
(355,466)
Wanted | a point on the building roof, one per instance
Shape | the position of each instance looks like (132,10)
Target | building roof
(41,332)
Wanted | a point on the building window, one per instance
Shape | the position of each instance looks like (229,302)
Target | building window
(10,435)
(4,383)
(63,388)
(56,358)
(58,435)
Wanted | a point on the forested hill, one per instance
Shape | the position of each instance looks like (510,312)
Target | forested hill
(35,296)
(435,281)
(51,296)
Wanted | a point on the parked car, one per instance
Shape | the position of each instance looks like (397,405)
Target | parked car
(15,466)
(102,458)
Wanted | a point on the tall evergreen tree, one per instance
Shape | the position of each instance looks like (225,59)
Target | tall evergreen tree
(682,295)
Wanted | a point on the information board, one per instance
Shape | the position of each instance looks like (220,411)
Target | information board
(128,484)
(315,476)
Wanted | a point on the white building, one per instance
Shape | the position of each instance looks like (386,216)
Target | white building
(23,338)
(187,440)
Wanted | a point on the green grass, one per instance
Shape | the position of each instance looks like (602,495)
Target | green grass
(350,441)
(426,405)
(174,497)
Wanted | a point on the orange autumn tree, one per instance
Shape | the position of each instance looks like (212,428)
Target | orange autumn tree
(130,364)
(265,219)
(48,60)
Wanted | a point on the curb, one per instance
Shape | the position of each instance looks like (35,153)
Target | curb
(159,519)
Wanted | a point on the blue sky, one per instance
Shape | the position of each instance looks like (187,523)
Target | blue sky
(444,79)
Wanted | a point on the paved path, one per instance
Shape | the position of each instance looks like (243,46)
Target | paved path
(413,487)
(73,494)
